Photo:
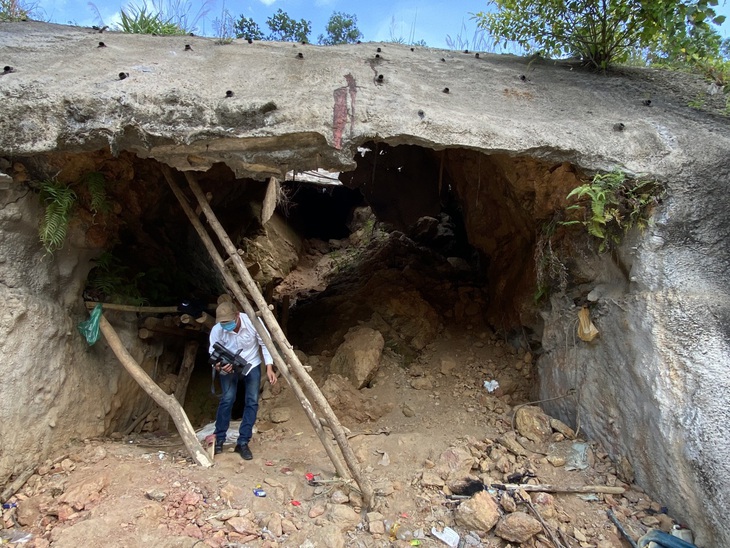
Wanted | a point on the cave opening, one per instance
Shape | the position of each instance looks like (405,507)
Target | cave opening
(412,241)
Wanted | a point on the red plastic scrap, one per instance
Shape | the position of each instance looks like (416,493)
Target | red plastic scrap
(296,503)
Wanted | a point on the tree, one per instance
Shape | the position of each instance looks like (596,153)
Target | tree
(341,29)
(597,31)
(246,27)
(285,29)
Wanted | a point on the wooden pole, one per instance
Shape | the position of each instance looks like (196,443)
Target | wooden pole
(284,345)
(166,401)
(542,488)
(142,309)
(241,297)
(183,377)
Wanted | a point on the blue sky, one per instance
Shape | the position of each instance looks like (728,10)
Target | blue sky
(440,23)
(379,20)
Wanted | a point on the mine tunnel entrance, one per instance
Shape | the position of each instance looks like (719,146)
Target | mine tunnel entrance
(411,242)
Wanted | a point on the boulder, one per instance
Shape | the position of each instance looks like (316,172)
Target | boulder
(358,358)
(533,424)
(517,527)
(479,513)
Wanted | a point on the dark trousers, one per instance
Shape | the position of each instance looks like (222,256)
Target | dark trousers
(229,387)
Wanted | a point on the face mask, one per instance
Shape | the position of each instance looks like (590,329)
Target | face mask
(229,326)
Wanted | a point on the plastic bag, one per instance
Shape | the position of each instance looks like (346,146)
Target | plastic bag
(586,330)
(90,328)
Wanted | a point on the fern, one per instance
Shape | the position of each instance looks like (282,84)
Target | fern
(59,200)
(615,205)
(96,182)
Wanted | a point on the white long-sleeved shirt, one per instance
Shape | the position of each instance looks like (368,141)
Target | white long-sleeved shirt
(246,340)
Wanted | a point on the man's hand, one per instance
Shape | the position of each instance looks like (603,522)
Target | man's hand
(270,373)
(228,368)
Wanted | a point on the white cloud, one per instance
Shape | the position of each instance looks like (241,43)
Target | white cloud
(267,2)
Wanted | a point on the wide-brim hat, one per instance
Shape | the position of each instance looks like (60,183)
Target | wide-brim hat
(226,312)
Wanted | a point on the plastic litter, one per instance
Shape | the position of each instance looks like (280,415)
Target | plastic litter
(578,459)
(682,533)
(15,536)
(259,492)
(448,536)
(491,386)
(296,503)
(90,328)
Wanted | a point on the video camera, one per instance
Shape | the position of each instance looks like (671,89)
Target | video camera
(225,357)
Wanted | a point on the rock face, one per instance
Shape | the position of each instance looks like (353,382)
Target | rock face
(655,390)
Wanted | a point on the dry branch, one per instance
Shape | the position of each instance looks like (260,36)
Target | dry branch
(166,401)
(544,488)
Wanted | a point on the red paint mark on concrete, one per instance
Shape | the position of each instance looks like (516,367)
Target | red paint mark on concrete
(340,111)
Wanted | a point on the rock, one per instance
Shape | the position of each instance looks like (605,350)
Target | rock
(338,497)
(358,358)
(280,414)
(85,491)
(316,510)
(30,510)
(156,495)
(343,516)
(231,493)
(479,513)
(556,460)
(545,504)
(193,531)
(533,424)
(422,383)
(509,442)
(624,470)
(448,364)
(407,410)
(243,526)
(274,524)
(225,515)
(517,527)
(432,479)
(455,463)
(288,527)
(564,429)
(376,525)
(192,499)
(508,503)
(665,522)
(579,535)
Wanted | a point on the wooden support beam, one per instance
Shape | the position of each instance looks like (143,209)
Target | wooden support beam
(286,348)
(241,297)
(141,309)
(183,376)
(166,401)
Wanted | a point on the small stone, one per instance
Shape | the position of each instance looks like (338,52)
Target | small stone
(338,497)
(280,414)
(564,429)
(556,460)
(518,527)
(155,494)
(508,503)
(431,479)
(407,410)
(422,383)
(288,527)
(579,535)
(650,521)
(274,525)
(316,511)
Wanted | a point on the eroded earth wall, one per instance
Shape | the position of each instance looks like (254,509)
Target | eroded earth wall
(655,384)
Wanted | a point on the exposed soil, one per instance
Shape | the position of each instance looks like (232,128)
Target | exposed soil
(143,491)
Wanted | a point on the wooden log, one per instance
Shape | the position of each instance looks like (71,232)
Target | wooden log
(186,370)
(90,305)
(17,483)
(167,402)
(183,376)
(206,320)
(286,348)
(544,488)
(241,297)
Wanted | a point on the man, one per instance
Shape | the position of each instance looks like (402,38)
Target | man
(235,331)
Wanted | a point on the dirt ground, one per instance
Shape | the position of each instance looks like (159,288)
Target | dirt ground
(144,491)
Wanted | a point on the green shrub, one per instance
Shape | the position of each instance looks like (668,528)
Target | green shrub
(141,20)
